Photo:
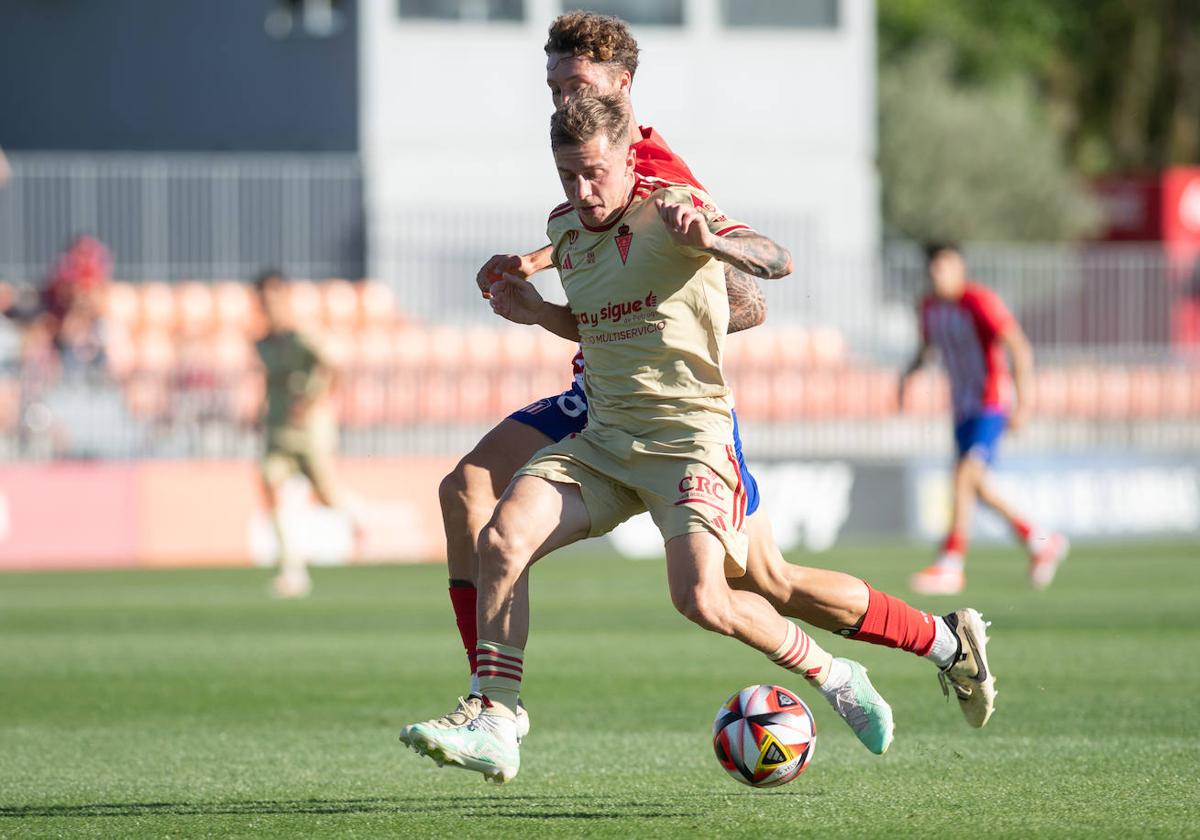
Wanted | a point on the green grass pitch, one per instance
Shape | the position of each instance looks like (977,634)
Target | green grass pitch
(187,704)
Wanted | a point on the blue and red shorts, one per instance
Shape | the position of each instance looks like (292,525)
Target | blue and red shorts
(979,435)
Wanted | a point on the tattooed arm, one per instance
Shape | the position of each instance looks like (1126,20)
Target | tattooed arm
(747,306)
(745,250)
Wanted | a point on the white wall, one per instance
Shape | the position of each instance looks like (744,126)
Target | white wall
(776,123)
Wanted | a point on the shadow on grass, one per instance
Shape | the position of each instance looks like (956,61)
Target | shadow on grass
(517,807)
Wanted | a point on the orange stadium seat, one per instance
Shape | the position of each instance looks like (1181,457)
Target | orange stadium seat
(438,399)
(121,305)
(363,400)
(339,304)
(1083,386)
(792,346)
(248,397)
(10,404)
(789,388)
(411,347)
(1145,392)
(758,349)
(752,394)
(305,299)
(339,346)
(447,348)
(517,346)
(147,397)
(235,306)
(1050,392)
(157,306)
(1114,392)
(231,352)
(155,352)
(475,398)
(820,393)
(851,393)
(373,349)
(828,346)
(403,403)
(120,354)
(377,303)
(195,307)
(555,351)
(479,345)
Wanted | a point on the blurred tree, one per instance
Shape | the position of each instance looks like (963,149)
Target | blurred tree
(972,162)
(1119,79)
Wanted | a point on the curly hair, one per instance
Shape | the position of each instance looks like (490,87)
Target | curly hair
(600,38)
(585,117)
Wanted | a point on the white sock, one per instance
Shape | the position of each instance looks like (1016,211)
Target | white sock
(839,675)
(945,644)
(951,560)
(474,683)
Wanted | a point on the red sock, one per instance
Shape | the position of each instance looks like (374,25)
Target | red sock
(462,597)
(1022,529)
(956,543)
(890,622)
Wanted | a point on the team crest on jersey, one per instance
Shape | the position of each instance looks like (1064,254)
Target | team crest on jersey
(624,239)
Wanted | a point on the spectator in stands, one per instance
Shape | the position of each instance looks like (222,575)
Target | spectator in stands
(79,275)
(300,427)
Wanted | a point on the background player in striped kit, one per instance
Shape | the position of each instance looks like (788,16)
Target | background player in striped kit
(970,328)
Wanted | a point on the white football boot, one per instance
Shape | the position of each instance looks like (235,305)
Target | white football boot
(969,676)
(474,737)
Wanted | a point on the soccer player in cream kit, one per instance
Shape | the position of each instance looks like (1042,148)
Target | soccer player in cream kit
(640,261)
(588,54)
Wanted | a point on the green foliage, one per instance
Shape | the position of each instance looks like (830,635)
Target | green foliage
(187,704)
(972,163)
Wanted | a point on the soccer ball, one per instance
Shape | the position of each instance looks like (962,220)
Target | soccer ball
(764,736)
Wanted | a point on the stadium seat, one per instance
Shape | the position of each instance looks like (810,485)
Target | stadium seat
(363,399)
(1050,392)
(447,348)
(1145,392)
(411,347)
(373,349)
(752,394)
(157,307)
(518,347)
(789,388)
(828,346)
(338,345)
(339,305)
(10,404)
(555,351)
(236,308)
(248,397)
(231,353)
(403,392)
(793,346)
(120,353)
(305,299)
(1113,394)
(122,306)
(195,308)
(155,352)
(820,393)
(147,397)
(377,303)
(757,349)
(480,343)
(474,397)
(1083,386)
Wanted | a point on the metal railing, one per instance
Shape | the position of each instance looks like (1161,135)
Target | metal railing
(179,216)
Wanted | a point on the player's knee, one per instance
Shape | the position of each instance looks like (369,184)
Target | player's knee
(502,553)
(707,606)
(452,493)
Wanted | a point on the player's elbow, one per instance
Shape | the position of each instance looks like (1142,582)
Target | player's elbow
(783,266)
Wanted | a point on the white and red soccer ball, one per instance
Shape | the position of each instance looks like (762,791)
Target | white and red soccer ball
(764,736)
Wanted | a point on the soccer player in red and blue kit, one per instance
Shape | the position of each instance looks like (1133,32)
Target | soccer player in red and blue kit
(971,329)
